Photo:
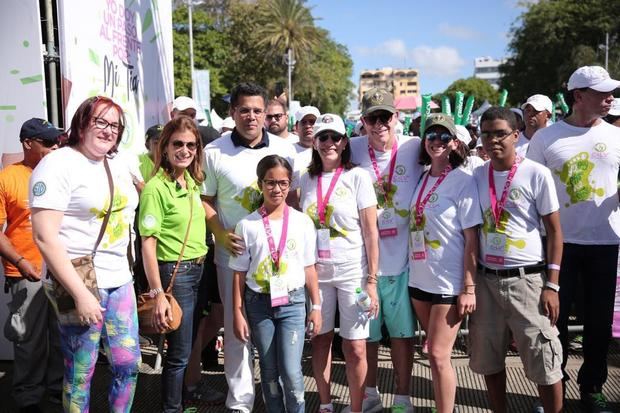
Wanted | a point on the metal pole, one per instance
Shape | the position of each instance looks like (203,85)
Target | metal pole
(290,63)
(191,46)
(52,56)
(606,50)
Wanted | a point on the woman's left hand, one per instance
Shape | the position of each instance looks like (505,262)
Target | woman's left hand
(371,290)
(466,304)
(315,320)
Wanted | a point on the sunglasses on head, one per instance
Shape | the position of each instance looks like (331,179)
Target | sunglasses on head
(383,117)
(189,145)
(445,137)
(334,137)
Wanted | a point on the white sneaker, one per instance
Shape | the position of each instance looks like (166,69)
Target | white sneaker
(371,404)
(401,408)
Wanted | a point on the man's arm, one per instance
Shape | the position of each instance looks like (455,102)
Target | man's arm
(223,236)
(550,299)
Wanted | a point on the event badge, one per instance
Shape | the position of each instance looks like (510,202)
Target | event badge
(387,223)
(495,248)
(419,248)
(278,290)
(323,243)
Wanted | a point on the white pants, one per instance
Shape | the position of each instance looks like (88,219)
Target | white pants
(238,364)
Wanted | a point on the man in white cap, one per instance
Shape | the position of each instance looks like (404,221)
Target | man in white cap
(536,113)
(613,117)
(392,162)
(583,153)
(463,135)
(183,105)
(306,116)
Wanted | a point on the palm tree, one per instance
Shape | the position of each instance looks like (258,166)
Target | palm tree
(289,28)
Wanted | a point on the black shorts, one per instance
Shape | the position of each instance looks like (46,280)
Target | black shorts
(208,290)
(432,298)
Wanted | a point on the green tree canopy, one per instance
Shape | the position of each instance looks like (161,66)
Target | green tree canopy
(554,37)
(480,89)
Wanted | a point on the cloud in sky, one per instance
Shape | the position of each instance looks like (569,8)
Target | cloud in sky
(459,32)
(438,62)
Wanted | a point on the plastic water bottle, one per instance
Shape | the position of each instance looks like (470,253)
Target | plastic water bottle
(363,302)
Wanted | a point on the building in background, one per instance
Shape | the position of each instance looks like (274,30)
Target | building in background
(400,82)
(487,68)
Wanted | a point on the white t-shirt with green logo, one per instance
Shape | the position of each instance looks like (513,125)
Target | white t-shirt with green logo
(256,260)
(522,145)
(393,250)
(230,176)
(452,208)
(352,193)
(531,195)
(584,164)
(67,181)
(302,161)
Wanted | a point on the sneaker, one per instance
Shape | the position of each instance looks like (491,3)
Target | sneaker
(538,407)
(576,343)
(371,404)
(191,410)
(401,408)
(205,394)
(595,403)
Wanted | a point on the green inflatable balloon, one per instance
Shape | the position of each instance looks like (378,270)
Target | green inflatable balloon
(562,103)
(406,125)
(469,106)
(458,107)
(445,105)
(502,98)
(425,111)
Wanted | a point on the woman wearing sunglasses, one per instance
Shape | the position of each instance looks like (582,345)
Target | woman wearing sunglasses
(443,247)
(172,222)
(341,201)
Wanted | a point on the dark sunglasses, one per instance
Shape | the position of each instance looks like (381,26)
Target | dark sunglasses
(189,145)
(275,116)
(48,143)
(335,138)
(445,137)
(383,117)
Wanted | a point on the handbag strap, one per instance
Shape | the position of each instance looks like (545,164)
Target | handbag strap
(189,224)
(106,217)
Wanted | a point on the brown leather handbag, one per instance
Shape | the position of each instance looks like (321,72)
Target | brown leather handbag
(147,303)
(61,300)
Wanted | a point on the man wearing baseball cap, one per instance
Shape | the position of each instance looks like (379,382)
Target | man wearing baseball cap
(305,117)
(583,153)
(391,161)
(31,325)
(537,111)
(183,105)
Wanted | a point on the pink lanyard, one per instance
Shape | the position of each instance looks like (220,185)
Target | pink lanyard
(275,254)
(321,204)
(498,207)
(385,190)
(419,206)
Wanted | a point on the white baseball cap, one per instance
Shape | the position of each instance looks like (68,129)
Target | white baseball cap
(329,122)
(615,108)
(462,134)
(183,103)
(305,111)
(593,77)
(539,103)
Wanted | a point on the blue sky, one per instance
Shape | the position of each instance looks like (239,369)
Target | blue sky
(439,38)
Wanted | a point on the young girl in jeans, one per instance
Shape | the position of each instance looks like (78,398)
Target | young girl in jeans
(276,266)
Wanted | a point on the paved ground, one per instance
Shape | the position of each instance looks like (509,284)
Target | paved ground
(471,393)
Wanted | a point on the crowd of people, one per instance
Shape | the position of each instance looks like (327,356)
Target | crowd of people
(279,236)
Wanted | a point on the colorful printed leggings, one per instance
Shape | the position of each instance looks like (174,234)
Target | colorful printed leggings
(80,346)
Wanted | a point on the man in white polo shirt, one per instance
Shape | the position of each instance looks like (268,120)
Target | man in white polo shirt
(231,192)
(536,113)
(583,153)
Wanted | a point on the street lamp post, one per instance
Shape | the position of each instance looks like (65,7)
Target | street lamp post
(191,45)
(289,59)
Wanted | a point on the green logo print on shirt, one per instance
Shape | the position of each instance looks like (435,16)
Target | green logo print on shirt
(334,230)
(575,175)
(488,226)
(381,199)
(434,244)
(264,271)
(251,197)
(117,228)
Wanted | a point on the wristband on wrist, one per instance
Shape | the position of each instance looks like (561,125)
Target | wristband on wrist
(316,307)
(553,267)
(155,292)
(18,261)
(552,286)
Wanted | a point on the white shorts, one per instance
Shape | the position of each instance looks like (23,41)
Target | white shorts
(337,284)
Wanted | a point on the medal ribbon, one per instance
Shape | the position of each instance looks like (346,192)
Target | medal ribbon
(321,203)
(498,207)
(275,253)
(385,190)
(419,205)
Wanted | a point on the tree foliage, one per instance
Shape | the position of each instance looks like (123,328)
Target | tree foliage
(234,49)
(480,89)
(554,37)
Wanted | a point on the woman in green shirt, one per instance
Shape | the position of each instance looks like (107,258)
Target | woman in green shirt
(169,203)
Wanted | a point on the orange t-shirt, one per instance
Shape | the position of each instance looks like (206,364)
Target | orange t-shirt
(15,212)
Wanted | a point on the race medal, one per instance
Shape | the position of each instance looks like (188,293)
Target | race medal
(387,223)
(495,248)
(323,243)
(418,246)
(278,290)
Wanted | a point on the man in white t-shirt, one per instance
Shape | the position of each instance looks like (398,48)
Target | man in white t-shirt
(392,162)
(516,296)
(276,120)
(583,153)
(306,117)
(536,113)
(231,193)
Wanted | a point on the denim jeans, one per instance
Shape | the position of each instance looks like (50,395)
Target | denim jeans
(180,341)
(278,334)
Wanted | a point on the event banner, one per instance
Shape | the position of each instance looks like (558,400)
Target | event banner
(122,50)
(22,94)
